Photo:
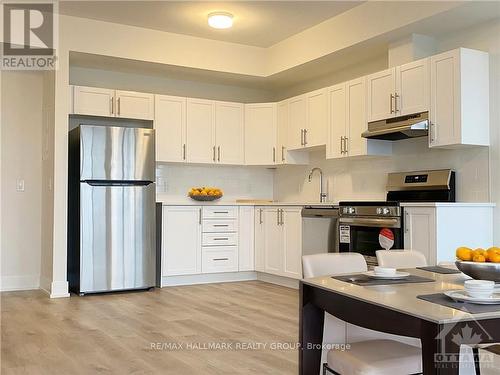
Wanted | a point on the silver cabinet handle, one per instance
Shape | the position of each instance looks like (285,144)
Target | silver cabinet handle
(119,106)
(432,131)
(199,217)
(346,145)
(396,96)
(213,151)
(221,259)
(305,137)
(221,239)
(221,225)
(282,153)
(274,154)
(342,145)
(218,153)
(392,108)
(407,219)
(282,218)
(260,216)
(302,137)
(278,216)
(184,151)
(112,105)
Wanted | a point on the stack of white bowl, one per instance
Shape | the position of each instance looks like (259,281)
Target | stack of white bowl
(479,288)
(384,271)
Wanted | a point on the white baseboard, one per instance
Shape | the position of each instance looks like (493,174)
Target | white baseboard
(208,278)
(278,280)
(11,283)
(45,284)
(59,289)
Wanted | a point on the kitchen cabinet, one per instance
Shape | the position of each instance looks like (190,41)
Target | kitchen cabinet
(308,120)
(459,110)
(437,229)
(135,105)
(94,101)
(347,120)
(381,87)
(229,132)
(181,240)
(170,126)
(284,156)
(412,88)
(260,134)
(246,232)
(200,139)
(278,241)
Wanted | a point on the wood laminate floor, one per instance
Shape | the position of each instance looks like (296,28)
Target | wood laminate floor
(165,331)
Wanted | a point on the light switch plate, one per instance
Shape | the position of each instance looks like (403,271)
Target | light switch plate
(20,184)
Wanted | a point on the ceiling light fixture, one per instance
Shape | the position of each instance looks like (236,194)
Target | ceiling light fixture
(220,20)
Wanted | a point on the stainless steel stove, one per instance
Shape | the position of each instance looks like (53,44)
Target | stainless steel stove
(368,226)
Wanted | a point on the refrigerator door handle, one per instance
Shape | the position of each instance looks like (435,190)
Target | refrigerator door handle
(117,183)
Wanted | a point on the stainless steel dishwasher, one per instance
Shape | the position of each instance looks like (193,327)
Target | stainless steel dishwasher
(320,229)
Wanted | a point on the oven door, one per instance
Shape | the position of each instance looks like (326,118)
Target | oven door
(361,235)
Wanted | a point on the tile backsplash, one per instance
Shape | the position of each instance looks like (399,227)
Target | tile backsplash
(173,181)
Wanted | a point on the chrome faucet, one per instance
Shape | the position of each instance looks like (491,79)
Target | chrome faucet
(322,194)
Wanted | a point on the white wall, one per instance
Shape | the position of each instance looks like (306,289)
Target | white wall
(21,159)
(173,181)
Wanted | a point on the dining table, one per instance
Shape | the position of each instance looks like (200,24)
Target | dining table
(396,309)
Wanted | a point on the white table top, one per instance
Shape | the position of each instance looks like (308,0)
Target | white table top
(403,297)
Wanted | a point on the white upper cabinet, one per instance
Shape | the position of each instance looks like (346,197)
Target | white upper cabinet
(170,125)
(317,118)
(93,101)
(347,121)
(381,89)
(200,138)
(459,110)
(229,132)
(260,134)
(283,155)
(296,122)
(413,83)
(135,105)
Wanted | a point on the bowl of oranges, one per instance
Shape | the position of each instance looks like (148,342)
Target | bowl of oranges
(205,193)
(479,264)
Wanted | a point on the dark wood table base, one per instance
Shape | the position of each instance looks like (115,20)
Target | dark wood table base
(440,342)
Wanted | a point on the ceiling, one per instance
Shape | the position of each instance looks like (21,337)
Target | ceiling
(256,23)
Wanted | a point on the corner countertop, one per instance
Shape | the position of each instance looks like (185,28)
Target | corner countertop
(190,202)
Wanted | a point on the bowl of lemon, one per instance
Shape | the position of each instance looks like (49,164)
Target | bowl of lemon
(205,193)
(479,264)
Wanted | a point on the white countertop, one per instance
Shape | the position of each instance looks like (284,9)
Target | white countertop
(403,297)
(447,204)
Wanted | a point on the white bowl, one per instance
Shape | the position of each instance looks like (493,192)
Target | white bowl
(384,271)
(479,288)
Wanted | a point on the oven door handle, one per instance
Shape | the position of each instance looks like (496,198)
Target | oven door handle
(372,222)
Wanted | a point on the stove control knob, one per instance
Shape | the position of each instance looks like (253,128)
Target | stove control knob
(385,211)
(351,210)
(379,210)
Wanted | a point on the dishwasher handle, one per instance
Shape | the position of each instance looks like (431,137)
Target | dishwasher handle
(327,212)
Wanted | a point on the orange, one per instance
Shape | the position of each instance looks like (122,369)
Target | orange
(479,258)
(479,251)
(495,258)
(464,253)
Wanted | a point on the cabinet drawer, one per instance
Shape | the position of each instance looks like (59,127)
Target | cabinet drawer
(220,226)
(220,239)
(219,259)
(222,212)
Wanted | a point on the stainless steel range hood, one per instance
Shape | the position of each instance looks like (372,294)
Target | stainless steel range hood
(403,127)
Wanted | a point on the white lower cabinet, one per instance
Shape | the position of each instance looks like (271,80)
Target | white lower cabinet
(438,230)
(219,259)
(181,240)
(278,241)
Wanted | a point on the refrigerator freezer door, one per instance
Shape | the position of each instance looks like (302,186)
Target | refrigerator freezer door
(117,237)
(116,153)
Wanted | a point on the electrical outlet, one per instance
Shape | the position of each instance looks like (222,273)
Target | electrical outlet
(20,184)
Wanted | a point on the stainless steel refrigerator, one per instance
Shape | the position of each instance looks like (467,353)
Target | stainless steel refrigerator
(111,209)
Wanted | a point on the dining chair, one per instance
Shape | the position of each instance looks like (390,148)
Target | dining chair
(401,258)
(370,357)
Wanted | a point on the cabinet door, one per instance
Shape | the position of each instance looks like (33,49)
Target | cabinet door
(445,101)
(283,117)
(259,240)
(229,134)
(200,140)
(317,118)
(413,83)
(181,240)
(420,231)
(356,117)
(170,126)
(136,105)
(292,242)
(297,122)
(93,101)
(273,242)
(337,121)
(381,88)
(260,134)
(246,238)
